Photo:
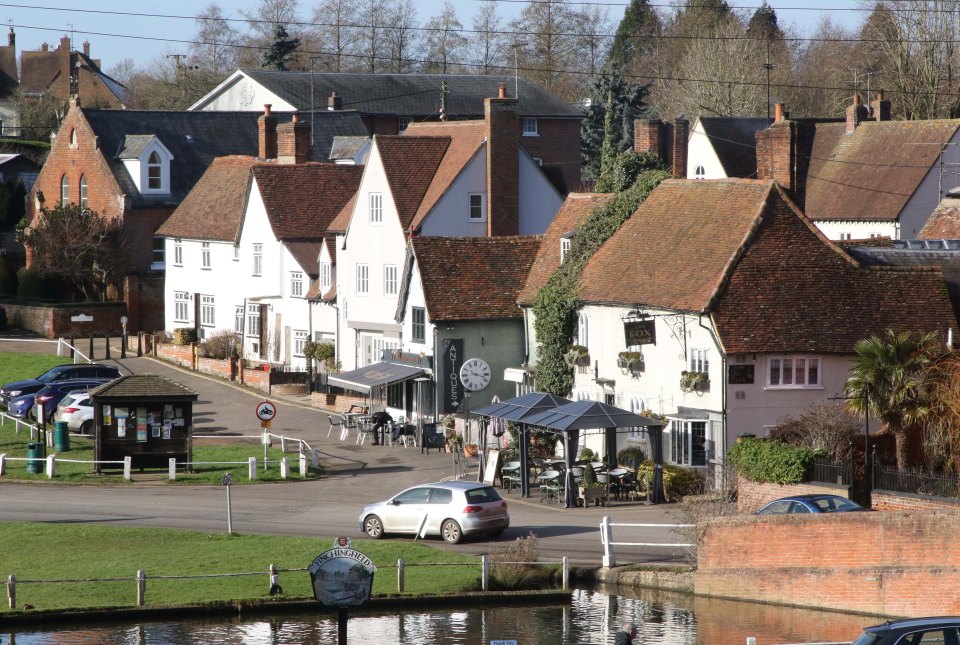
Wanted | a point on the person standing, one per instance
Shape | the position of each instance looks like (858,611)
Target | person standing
(626,635)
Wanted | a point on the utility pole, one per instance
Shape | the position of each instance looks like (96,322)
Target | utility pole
(769,67)
(443,101)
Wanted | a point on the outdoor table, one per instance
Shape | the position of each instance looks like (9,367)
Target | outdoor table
(351,418)
(616,482)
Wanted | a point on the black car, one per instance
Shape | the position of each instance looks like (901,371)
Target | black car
(51,395)
(53,375)
(912,631)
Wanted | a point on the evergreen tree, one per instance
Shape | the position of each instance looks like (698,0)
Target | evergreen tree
(280,51)
(624,101)
(633,35)
(763,24)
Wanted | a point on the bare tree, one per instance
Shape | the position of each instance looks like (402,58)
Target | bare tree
(403,34)
(263,22)
(335,34)
(215,46)
(592,27)
(444,39)
(123,70)
(822,64)
(373,45)
(488,44)
(546,46)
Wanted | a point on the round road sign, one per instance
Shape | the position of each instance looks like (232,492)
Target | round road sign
(266,411)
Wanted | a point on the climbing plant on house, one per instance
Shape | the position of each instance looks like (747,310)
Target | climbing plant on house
(557,300)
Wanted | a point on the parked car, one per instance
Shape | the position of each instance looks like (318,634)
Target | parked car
(59,373)
(51,395)
(940,629)
(809,504)
(452,510)
(20,406)
(77,410)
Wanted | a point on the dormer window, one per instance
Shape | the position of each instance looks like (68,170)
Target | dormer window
(148,162)
(154,172)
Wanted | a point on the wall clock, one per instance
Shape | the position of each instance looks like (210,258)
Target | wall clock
(475,374)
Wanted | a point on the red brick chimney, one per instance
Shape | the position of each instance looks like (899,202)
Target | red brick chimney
(267,127)
(11,38)
(65,44)
(45,47)
(880,108)
(334,102)
(679,134)
(783,154)
(86,48)
(778,113)
(503,164)
(293,142)
(648,135)
(856,114)
(666,140)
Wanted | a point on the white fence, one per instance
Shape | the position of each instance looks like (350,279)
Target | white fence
(606,538)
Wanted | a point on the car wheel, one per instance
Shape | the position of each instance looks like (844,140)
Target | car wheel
(86,427)
(373,527)
(451,532)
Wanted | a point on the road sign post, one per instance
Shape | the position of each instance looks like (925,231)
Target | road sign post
(227,480)
(266,412)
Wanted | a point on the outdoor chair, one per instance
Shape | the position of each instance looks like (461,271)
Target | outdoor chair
(364,429)
(510,475)
(335,422)
(618,482)
(551,485)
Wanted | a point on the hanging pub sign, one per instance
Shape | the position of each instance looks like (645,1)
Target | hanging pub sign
(342,576)
(640,332)
(448,375)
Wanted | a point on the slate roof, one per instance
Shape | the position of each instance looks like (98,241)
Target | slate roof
(143,385)
(214,208)
(195,139)
(134,145)
(944,223)
(302,200)
(734,141)
(410,164)
(413,95)
(871,174)
(742,252)
(9,78)
(574,210)
(347,147)
(474,278)
(39,69)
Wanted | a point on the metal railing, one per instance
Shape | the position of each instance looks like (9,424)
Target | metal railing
(915,481)
(829,472)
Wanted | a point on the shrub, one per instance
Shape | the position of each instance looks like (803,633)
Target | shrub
(632,456)
(510,570)
(184,335)
(32,285)
(8,275)
(826,426)
(589,476)
(677,482)
(588,455)
(766,460)
(222,344)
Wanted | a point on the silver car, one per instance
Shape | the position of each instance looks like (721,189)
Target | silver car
(77,410)
(448,509)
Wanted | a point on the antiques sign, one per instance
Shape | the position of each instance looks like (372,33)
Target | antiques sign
(448,375)
(640,332)
(342,576)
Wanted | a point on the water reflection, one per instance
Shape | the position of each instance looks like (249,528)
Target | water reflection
(593,616)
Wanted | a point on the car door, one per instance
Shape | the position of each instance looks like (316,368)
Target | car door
(405,511)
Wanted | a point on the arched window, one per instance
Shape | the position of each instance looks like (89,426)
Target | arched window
(154,172)
(64,190)
(700,173)
(73,138)
(582,329)
(83,191)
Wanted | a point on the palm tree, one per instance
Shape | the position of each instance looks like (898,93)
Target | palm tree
(888,380)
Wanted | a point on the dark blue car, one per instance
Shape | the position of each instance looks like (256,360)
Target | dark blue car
(20,406)
(51,395)
(59,373)
(939,629)
(809,504)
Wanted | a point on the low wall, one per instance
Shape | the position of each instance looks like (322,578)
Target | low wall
(54,322)
(752,495)
(891,564)
(221,368)
(179,354)
(886,500)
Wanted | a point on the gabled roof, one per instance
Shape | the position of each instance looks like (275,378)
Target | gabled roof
(302,200)
(944,223)
(214,208)
(412,95)
(473,278)
(144,385)
(872,173)
(307,254)
(39,69)
(575,209)
(734,141)
(195,139)
(134,144)
(347,147)
(410,164)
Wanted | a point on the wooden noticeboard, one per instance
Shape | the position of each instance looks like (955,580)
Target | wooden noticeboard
(493,465)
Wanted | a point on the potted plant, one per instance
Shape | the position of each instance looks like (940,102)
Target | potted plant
(592,491)
(454,440)
(630,361)
(577,355)
(693,381)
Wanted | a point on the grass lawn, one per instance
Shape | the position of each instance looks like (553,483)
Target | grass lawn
(51,551)
(16,367)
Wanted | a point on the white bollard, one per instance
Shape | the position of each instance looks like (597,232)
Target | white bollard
(485,572)
(127,466)
(400,565)
(3,464)
(252,468)
(51,466)
(566,573)
(606,537)
(303,465)
(172,469)
(284,468)
(283,443)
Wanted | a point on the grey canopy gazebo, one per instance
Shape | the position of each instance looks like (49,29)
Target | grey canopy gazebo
(518,409)
(573,417)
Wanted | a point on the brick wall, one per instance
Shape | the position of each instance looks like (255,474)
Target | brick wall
(257,379)
(179,354)
(221,368)
(558,145)
(503,170)
(893,564)
(882,500)
(54,322)
(752,495)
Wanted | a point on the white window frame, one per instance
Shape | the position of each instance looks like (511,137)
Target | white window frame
(531,128)
(564,248)
(779,378)
(418,324)
(181,306)
(476,211)
(846,236)
(159,253)
(390,282)
(154,163)
(296,284)
(208,310)
(238,319)
(363,279)
(178,252)
(681,441)
(64,189)
(700,172)
(699,360)
(637,407)
(583,329)
(257,260)
(375,207)
(253,320)
(326,275)
(402,123)
(83,191)
(299,341)
(205,256)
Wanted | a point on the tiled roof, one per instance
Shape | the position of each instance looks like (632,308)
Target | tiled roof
(571,215)
(341,222)
(473,278)
(734,141)
(214,208)
(871,173)
(945,221)
(413,95)
(143,385)
(307,253)
(195,139)
(302,200)
(410,164)
(466,139)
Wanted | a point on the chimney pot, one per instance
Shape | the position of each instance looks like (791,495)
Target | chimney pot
(502,91)
(266,109)
(11,38)
(86,48)
(778,114)
(267,130)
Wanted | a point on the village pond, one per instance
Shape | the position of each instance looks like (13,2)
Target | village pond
(593,616)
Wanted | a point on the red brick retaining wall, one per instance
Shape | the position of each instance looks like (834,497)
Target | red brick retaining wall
(752,495)
(54,322)
(883,500)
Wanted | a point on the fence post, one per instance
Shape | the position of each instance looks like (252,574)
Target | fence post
(606,537)
(139,343)
(252,468)
(172,468)
(128,464)
(107,339)
(51,466)
(73,343)
(485,572)
(3,464)
(284,468)
(91,347)
(303,465)
(566,573)
(141,587)
(274,580)
(400,565)
(12,591)
(283,443)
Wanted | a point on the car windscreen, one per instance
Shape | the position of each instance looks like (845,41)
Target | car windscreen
(828,504)
(481,495)
(50,376)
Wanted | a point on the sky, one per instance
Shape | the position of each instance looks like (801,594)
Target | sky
(114,37)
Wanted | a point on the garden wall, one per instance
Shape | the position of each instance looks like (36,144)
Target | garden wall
(885,500)
(752,495)
(891,564)
(54,322)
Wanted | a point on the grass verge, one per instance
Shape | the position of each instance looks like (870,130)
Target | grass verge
(86,553)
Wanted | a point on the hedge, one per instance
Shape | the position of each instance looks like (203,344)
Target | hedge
(766,460)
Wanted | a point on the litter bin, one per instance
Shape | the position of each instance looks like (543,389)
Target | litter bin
(35,457)
(61,436)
